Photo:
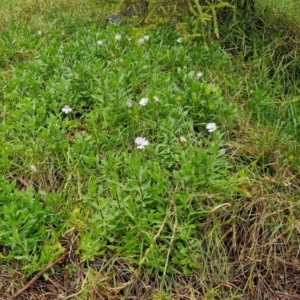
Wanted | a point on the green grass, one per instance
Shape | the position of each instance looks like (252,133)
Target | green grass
(195,214)
(287,8)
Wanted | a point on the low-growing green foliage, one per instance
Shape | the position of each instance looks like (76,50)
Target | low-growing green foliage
(29,224)
(124,191)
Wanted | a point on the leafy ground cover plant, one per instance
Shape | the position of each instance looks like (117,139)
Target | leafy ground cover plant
(136,156)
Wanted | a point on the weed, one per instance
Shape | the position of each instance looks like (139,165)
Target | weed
(165,167)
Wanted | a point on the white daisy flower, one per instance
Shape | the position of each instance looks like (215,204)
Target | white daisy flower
(183,139)
(66,109)
(129,103)
(199,75)
(40,32)
(141,41)
(211,127)
(141,142)
(33,168)
(146,38)
(144,101)
(100,43)
(179,40)
(118,37)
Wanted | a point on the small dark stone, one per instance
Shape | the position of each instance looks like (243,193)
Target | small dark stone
(115,18)
(129,9)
